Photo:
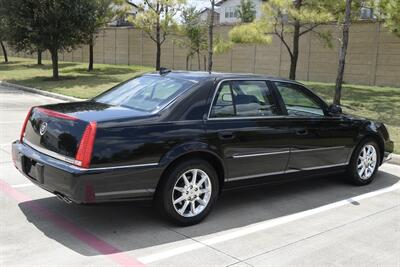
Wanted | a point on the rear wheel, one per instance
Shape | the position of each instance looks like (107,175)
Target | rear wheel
(188,192)
(364,163)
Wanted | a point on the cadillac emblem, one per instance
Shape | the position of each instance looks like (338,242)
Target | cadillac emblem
(43,128)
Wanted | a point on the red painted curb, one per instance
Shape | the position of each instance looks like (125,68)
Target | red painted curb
(104,248)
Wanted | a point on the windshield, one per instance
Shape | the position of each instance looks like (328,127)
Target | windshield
(146,93)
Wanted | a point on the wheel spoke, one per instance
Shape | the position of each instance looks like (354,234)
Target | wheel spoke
(178,200)
(185,179)
(361,172)
(201,202)
(203,178)
(193,207)
(183,209)
(194,176)
(180,189)
(205,190)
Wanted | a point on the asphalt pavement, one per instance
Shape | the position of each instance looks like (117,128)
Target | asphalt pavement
(322,221)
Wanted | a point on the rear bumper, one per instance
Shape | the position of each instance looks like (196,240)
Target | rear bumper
(85,185)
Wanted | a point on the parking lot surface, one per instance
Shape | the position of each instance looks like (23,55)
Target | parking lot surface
(317,222)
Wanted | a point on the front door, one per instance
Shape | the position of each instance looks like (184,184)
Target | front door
(318,140)
(244,126)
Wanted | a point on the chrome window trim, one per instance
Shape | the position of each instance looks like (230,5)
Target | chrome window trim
(283,172)
(72,160)
(260,154)
(237,118)
(262,117)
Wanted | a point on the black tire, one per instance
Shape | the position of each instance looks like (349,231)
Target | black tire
(353,174)
(165,191)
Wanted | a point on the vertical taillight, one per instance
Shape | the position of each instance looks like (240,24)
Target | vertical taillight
(24,125)
(85,149)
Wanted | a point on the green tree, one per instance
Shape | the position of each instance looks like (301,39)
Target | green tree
(157,19)
(286,19)
(105,12)
(211,24)
(3,36)
(390,12)
(246,11)
(195,32)
(47,24)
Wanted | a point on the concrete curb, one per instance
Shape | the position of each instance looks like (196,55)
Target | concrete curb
(41,92)
(395,159)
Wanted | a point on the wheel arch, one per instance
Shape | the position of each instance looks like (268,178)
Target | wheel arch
(378,139)
(172,159)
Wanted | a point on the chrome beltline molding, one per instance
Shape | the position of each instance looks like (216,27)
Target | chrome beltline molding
(71,160)
(260,154)
(284,172)
(285,151)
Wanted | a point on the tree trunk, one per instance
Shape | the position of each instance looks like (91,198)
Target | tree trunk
(342,54)
(54,62)
(211,37)
(39,57)
(198,61)
(158,39)
(295,54)
(205,62)
(4,52)
(90,67)
(187,61)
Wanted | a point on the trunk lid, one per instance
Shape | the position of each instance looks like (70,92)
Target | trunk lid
(59,128)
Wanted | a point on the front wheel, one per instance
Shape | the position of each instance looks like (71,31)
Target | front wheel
(364,163)
(188,192)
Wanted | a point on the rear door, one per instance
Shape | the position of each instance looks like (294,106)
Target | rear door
(317,139)
(244,125)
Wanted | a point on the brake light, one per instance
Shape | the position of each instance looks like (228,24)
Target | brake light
(55,114)
(85,149)
(24,125)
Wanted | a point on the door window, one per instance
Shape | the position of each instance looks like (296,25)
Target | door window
(297,102)
(244,99)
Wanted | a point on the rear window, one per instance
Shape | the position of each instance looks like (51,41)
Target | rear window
(146,93)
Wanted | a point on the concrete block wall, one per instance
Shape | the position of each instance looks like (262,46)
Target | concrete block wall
(373,55)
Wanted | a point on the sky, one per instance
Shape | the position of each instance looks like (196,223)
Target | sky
(199,4)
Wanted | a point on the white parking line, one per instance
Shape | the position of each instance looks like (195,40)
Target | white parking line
(22,185)
(257,227)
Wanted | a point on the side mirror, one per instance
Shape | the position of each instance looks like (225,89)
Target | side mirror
(335,109)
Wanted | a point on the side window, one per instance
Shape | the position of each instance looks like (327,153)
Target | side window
(223,103)
(297,102)
(244,99)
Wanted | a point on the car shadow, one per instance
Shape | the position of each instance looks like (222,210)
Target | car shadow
(136,225)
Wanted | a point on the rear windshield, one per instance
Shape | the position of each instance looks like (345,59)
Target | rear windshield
(147,93)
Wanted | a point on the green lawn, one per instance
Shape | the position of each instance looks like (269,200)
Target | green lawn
(379,103)
(75,80)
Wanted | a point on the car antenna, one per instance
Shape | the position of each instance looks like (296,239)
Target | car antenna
(164,71)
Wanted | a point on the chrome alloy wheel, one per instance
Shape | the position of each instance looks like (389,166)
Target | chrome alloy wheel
(191,193)
(366,163)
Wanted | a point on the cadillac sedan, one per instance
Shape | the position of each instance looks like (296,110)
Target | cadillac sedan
(181,138)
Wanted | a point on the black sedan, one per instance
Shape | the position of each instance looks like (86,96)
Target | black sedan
(181,138)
